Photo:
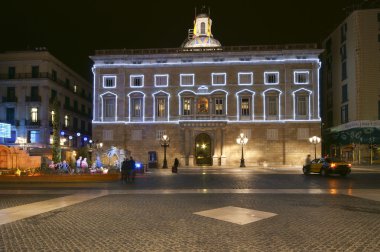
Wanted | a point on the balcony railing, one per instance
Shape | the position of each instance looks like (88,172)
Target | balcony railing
(9,99)
(33,98)
(32,123)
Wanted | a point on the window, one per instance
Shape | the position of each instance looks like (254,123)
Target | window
(136,135)
(203,28)
(159,134)
(161,80)
(109,81)
(52,116)
(108,135)
(33,136)
(343,32)
(187,79)
(344,70)
(11,72)
(67,102)
(83,109)
(67,121)
(301,105)
(161,107)
(35,71)
(245,78)
(303,133)
(10,116)
(343,52)
(272,134)
(54,75)
(136,80)
(245,108)
(136,107)
(75,88)
(75,123)
(109,106)
(344,114)
(53,94)
(82,125)
(344,93)
(202,105)
(301,77)
(218,79)
(271,78)
(219,106)
(34,114)
(187,106)
(34,93)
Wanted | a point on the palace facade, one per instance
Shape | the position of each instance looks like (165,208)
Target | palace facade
(203,95)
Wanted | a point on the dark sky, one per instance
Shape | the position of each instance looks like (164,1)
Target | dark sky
(72,30)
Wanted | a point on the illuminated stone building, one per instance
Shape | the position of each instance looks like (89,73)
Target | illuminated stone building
(29,82)
(203,95)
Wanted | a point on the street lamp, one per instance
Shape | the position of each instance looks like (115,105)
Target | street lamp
(242,140)
(164,141)
(315,140)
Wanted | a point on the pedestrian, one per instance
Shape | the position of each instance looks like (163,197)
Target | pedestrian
(175,166)
(308,159)
(84,165)
(132,169)
(124,170)
(65,167)
(79,162)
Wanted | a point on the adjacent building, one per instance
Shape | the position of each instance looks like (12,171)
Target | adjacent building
(203,96)
(29,83)
(351,87)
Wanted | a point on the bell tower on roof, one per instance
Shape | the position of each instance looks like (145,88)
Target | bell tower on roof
(201,35)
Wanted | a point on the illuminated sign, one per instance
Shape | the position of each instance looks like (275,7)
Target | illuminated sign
(5,130)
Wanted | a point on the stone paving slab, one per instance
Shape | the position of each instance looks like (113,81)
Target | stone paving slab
(166,222)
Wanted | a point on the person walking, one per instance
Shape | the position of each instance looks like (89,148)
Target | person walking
(175,166)
(124,170)
(132,171)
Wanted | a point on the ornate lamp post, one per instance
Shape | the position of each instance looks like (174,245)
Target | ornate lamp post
(242,140)
(164,141)
(315,140)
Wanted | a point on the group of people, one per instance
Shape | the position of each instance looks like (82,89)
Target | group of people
(128,170)
(81,165)
(62,167)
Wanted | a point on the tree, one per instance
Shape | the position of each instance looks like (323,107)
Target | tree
(56,150)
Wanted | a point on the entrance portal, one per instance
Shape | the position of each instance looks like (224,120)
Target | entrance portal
(203,149)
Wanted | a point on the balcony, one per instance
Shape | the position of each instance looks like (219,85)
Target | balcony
(31,123)
(9,99)
(35,98)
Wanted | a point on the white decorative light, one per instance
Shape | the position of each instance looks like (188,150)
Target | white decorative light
(160,76)
(134,76)
(250,74)
(306,73)
(279,102)
(154,104)
(143,104)
(102,104)
(216,75)
(186,75)
(109,77)
(238,105)
(294,101)
(277,76)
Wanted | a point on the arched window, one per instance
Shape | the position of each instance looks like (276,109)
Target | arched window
(161,106)
(301,104)
(203,28)
(136,106)
(109,106)
(272,101)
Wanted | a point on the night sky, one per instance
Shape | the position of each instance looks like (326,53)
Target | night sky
(72,30)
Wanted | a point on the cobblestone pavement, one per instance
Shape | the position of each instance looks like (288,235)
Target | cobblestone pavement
(167,223)
(156,213)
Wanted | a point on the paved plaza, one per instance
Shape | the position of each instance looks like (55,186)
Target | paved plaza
(196,210)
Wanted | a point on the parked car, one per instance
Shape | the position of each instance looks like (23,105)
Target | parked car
(327,166)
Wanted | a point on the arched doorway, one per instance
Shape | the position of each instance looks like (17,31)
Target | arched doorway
(203,149)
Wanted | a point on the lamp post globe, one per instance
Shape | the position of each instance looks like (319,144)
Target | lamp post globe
(164,141)
(242,140)
(315,140)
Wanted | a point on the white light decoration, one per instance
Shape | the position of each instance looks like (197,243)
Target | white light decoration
(110,78)
(277,74)
(250,74)
(161,75)
(211,62)
(306,73)
(70,137)
(131,80)
(224,76)
(294,101)
(154,104)
(279,103)
(78,134)
(129,104)
(186,75)
(238,107)
(102,105)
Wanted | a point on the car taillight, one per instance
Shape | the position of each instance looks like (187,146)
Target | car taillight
(333,165)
